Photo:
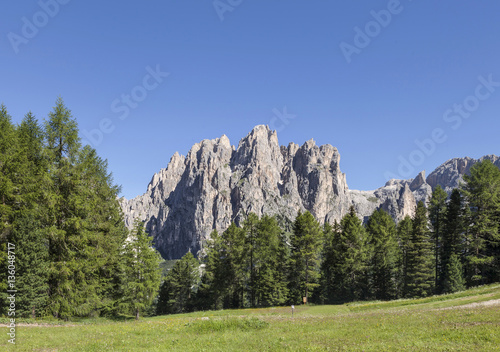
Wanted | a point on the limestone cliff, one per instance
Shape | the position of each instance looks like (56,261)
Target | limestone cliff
(217,183)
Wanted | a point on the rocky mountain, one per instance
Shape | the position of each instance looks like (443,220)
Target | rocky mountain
(217,183)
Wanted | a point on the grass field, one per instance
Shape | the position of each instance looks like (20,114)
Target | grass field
(465,321)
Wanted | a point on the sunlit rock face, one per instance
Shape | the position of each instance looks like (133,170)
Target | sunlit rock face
(217,183)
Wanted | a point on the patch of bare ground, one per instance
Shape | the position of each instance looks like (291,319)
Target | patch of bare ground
(492,302)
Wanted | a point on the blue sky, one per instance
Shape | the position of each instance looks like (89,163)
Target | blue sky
(416,86)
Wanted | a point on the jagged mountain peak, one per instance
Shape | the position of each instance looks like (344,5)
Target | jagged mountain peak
(217,183)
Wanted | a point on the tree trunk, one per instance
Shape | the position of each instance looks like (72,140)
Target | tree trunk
(307,279)
(137,314)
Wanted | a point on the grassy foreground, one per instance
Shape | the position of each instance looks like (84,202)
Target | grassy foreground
(465,321)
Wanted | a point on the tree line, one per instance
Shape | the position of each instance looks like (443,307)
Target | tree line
(58,206)
(75,257)
(450,244)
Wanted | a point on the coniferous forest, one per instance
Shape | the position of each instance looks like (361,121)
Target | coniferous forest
(74,257)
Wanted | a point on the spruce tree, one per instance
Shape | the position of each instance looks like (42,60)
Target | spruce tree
(224,281)
(420,268)
(331,263)
(453,243)
(353,264)
(454,280)
(305,250)
(177,290)
(270,286)
(250,227)
(383,260)
(437,214)
(404,232)
(142,269)
(207,296)
(482,195)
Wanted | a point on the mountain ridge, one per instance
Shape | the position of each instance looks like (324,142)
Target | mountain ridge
(217,183)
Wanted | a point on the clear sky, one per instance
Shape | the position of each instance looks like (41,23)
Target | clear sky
(372,78)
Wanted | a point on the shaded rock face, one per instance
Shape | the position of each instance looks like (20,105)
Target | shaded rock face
(217,183)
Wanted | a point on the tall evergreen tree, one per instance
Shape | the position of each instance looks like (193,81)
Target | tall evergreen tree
(269,283)
(482,195)
(454,280)
(453,250)
(404,232)
(250,227)
(32,186)
(354,262)
(7,168)
(345,260)
(437,214)
(420,269)
(63,145)
(101,234)
(208,296)
(331,262)
(305,250)
(142,268)
(177,290)
(223,284)
(383,260)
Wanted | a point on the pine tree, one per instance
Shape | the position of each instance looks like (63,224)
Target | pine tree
(420,269)
(482,195)
(142,268)
(305,250)
(383,260)
(437,214)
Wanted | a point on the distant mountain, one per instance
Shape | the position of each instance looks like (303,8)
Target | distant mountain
(217,183)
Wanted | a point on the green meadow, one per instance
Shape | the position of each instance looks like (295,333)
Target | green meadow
(464,321)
